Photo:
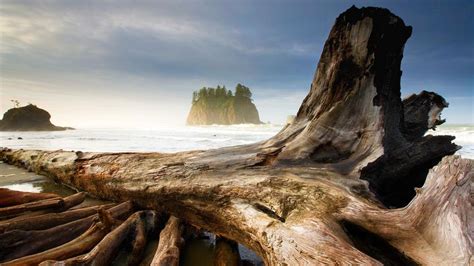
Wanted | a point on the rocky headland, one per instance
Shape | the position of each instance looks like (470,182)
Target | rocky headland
(28,118)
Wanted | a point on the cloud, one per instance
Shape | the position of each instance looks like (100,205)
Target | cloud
(166,49)
(54,29)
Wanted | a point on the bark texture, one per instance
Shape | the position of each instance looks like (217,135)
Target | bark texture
(353,119)
(103,252)
(167,253)
(10,197)
(57,204)
(57,238)
(139,241)
(317,192)
(48,220)
(19,243)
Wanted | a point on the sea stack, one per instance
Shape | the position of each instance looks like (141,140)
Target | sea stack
(28,118)
(220,106)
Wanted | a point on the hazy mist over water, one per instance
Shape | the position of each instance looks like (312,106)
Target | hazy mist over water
(171,139)
(174,139)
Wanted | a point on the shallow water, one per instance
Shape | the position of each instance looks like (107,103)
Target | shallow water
(15,178)
(200,252)
(160,140)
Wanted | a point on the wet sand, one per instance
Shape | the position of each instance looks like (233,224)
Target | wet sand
(15,178)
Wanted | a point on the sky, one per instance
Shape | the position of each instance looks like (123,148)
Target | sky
(135,64)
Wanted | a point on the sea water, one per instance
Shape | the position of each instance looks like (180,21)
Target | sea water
(173,139)
(170,139)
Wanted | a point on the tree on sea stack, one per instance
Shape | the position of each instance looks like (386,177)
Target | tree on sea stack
(219,106)
(242,91)
(16,103)
(318,192)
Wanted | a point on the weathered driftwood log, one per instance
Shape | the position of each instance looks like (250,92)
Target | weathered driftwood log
(73,248)
(352,120)
(316,190)
(139,240)
(11,197)
(226,253)
(107,219)
(49,220)
(167,253)
(416,110)
(53,204)
(436,228)
(18,243)
(102,253)
(77,246)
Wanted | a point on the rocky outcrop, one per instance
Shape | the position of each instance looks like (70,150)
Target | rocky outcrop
(219,106)
(28,118)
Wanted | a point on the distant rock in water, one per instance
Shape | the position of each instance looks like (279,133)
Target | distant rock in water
(220,106)
(28,118)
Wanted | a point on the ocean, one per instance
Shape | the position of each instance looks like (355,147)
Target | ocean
(175,139)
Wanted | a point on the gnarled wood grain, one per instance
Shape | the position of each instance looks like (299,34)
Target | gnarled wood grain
(167,253)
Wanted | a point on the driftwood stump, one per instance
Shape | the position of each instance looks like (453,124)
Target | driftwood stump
(337,185)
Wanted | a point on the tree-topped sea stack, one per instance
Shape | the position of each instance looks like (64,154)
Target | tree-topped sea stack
(220,106)
(28,118)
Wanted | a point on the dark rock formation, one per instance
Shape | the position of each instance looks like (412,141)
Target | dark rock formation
(219,106)
(28,118)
